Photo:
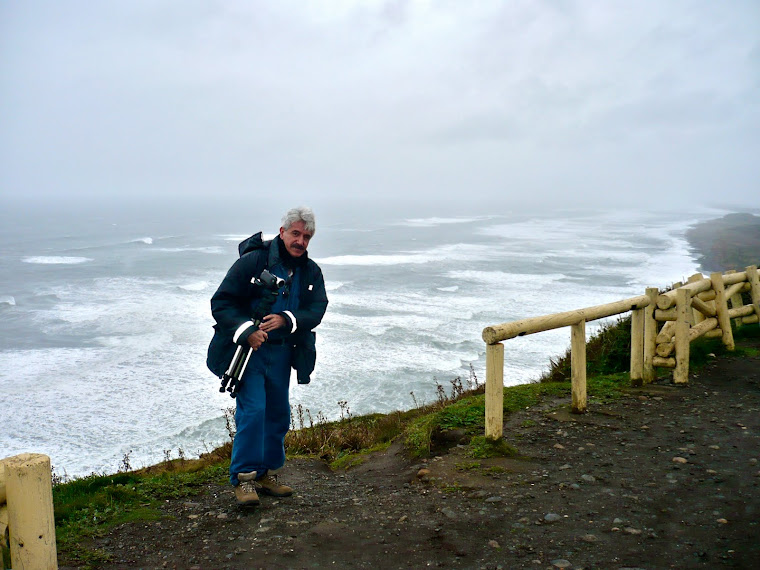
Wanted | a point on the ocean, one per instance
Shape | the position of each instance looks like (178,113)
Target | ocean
(106,319)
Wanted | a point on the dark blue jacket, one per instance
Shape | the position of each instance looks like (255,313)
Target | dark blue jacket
(237,297)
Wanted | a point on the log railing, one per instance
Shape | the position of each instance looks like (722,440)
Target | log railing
(662,327)
(26,512)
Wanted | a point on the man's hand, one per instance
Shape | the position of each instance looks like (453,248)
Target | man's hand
(256,339)
(273,322)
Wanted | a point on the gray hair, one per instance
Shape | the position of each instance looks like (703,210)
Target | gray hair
(301,214)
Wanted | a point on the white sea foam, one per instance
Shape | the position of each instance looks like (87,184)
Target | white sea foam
(7,300)
(240,237)
(431,222)
(210,249)
(145,240)
(453,252)
(196,286)
(448,289)
(333,285)
(55,260)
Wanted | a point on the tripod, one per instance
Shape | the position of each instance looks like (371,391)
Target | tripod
(233,378)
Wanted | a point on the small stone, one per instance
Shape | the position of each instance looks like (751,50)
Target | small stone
(722,521)
(422,473)
(193,516)
(617,521)
(493,544)
(561,563)
(494,499)
(753,461)
(714,446)
(221,516)
(712,472)
(565,466)
(552,517)
(403,518)
(449,513)
(559,446)
(590,538)
(631,530)
(588,478)
(680,460)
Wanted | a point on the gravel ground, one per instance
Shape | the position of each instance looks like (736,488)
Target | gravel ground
(666,477)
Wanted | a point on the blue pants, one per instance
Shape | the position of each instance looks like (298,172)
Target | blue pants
(262,417)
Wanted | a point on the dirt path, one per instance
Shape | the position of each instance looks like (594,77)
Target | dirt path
(667,477)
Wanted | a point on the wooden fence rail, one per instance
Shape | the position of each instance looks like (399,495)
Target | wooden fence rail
(26,512)
(662,328)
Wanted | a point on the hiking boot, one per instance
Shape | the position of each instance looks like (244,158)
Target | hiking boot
(269,486)
(245,491)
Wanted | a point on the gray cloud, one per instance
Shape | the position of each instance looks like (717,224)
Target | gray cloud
(553,100)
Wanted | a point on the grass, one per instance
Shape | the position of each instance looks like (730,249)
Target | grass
(89,506)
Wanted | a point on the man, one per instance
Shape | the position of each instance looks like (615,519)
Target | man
(283,339)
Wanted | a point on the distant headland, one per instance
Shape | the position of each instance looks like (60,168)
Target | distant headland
(730,242)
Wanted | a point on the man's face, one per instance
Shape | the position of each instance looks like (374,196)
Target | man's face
(296,238)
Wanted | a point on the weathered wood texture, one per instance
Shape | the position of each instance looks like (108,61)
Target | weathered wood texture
(578,367)
(494,390)
(29,494)
(650,335)
(504,331)
(681,372)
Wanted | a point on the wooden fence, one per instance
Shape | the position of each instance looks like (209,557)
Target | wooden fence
(662,327)
(26,512)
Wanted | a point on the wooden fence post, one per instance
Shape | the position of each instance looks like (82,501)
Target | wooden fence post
(683,305)
(650,334)
(637,347)
(721,310)
(696,316)
(494,390)
(29,492)
(754,284)
(578,366)
(3,517)
(3,529)
(734,302)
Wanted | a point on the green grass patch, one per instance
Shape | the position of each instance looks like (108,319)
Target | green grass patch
(89,506)
(347,459)
(482,447)
(467,465)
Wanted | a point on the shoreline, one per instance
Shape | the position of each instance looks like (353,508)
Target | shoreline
(730,242)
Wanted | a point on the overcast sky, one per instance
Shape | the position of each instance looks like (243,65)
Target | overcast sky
(549,101)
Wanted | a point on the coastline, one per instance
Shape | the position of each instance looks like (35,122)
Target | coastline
(730,242)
